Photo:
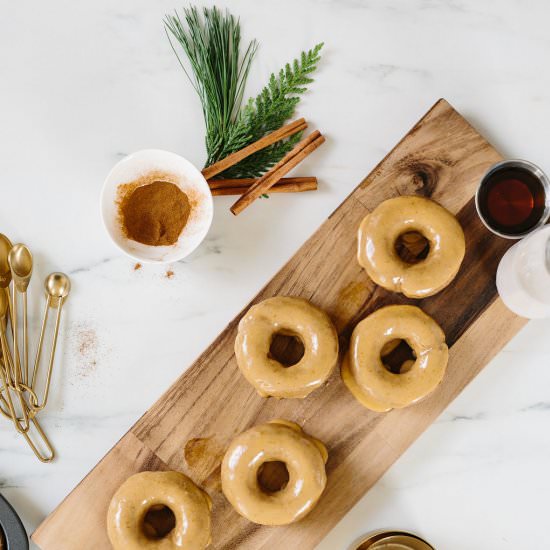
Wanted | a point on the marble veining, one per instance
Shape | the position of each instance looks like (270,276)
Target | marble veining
(83,85)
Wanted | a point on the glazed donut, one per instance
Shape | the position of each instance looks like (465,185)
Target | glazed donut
(363,370)
(393,218)
(279,440)
(148,491)
(289,316)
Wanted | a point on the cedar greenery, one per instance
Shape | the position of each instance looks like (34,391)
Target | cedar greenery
(219,76)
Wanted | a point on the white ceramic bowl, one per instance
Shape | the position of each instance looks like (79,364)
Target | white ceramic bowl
(182,173)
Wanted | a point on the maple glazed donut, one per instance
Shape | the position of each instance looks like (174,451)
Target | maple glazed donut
(277,441)
(148,492)
(363,370)
(393,218)
(292,317)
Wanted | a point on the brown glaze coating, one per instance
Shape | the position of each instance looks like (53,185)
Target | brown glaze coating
(392,218)
(290,316)
(363,370)
(279,440)
(144,491)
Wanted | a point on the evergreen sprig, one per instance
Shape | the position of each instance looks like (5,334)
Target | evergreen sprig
(212,44)
(273,106)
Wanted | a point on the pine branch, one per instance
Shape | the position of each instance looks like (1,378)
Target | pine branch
(219,73)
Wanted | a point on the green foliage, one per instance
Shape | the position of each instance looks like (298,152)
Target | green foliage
(212,45)
(274,105)
(219,76)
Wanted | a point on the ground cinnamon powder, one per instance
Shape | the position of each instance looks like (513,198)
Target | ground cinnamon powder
(155,214)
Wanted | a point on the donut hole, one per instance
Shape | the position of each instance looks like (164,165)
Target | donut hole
(272,476)
(412,247)
(287,348)
(158,522)
(397,356)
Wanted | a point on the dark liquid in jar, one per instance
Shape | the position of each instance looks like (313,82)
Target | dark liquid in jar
(512,201)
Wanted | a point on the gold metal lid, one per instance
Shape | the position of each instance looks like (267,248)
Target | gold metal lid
(393,540)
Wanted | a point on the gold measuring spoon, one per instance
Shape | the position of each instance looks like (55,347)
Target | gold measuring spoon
(50,451)
(8,370)
(5,409)
(5,271)
(57,287)
(4,401)
(21,263)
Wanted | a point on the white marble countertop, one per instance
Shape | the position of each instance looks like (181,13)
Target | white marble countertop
(84,84)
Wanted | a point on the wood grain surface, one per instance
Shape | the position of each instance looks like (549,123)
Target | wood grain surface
(442,157)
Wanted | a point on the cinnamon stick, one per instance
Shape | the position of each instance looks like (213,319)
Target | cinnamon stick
(262,143)
(287,163)
(241,185)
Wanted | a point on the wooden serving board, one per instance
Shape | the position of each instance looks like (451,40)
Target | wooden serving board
(442,157)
